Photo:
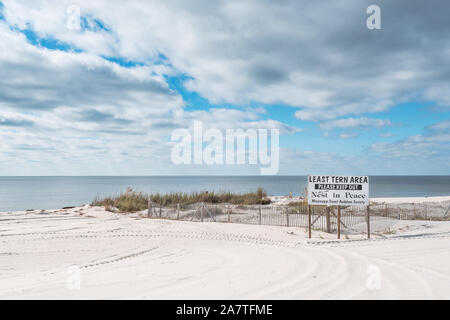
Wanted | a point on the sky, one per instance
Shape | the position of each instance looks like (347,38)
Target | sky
(104,98)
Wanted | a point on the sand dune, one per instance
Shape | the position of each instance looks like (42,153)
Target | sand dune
(134,258)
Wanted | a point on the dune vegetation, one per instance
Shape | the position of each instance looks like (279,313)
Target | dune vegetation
(132,201)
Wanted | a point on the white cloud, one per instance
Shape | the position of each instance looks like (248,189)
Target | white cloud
(318,56)
(443,125)
(354,123)
(348,135)
(435,146)
(386,135)
(71,111)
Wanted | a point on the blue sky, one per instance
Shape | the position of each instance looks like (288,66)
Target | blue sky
(104,99)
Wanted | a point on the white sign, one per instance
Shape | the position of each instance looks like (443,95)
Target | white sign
(338,190)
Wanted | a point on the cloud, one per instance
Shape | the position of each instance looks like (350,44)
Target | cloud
(435,146)
(363,122)
(440,126)
(316,56)
(65,110)
(348,135)
(43,79)
(386,135)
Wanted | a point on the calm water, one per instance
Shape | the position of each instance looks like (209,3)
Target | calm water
(21,193)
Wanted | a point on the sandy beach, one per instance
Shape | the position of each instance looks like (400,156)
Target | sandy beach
(412,200)
(285,200)
(114,256)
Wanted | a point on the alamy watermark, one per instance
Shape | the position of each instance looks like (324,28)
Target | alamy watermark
(374,20)
(232,147)
(373,281)
(73,19)
(74,278)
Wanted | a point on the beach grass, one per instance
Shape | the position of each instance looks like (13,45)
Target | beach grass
(132,201)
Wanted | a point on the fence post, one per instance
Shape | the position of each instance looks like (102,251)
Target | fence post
(328,218)
(228,214)
(160,210)
(339,222)
(178,211)
(201,212)
(368,221)
(287,217)
(149,212)
(385,210)
(309,221)
(260,216)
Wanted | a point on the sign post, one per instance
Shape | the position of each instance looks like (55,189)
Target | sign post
(309,221)
(339,222)
(329,190)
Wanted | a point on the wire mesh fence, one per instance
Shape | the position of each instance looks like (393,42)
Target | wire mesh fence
(323,218)
(411,211)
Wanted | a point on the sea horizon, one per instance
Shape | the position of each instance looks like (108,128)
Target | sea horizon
(54,192)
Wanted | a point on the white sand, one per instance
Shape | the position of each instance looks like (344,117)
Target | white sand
(285,200)
(412,200)
(130,257)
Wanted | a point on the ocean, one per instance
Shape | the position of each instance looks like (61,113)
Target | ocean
(23,193)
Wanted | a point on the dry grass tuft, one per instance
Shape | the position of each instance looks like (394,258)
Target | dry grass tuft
(132,201)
